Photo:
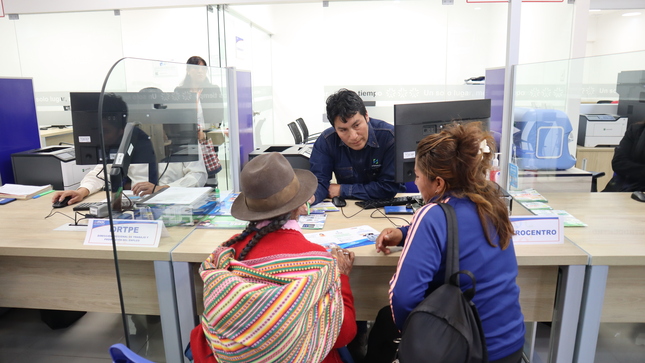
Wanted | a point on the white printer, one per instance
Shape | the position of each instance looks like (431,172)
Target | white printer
(55,165)
(601,130)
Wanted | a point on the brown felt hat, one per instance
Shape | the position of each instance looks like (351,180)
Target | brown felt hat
(271,187)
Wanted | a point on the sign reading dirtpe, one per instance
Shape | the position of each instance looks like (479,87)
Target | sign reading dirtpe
(537,229)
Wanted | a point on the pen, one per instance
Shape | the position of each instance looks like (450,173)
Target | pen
(41,194)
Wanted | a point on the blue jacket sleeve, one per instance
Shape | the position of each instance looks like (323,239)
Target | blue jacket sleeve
(321,165)
(404,231)
(384,187)
(419,263)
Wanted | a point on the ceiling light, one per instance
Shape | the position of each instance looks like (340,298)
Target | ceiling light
(636,13)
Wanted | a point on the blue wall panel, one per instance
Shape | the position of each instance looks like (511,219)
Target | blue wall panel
(18,122)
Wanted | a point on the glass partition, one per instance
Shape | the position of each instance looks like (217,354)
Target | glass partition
(164,127)
(569,115)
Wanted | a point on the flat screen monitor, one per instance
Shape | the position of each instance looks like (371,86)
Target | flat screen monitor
(414,121)
(168,120)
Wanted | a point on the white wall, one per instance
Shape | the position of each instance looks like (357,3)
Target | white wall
(393,47)
(615,33)
(368,44)
(10,60)
(66,52)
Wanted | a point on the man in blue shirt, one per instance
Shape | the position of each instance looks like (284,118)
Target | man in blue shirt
(358,149)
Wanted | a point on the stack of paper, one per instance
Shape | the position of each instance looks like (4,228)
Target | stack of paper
(567,219)
(323,207)
(535,205)
(527,195)
(20,191)
(312,221)
(180,196)
(175,205)
(223,221)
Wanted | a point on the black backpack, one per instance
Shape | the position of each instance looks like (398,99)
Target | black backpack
(445,326)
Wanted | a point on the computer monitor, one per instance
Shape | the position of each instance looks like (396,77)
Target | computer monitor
(413,122)
(631,95)
(168,120)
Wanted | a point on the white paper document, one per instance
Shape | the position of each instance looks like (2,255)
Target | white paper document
(345,238)
(179,195)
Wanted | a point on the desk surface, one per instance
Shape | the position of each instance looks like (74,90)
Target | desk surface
(56,131)
(616,226)
(202,242)
(369,278)
(26,232)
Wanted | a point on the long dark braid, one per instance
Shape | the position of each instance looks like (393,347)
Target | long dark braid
(275,224)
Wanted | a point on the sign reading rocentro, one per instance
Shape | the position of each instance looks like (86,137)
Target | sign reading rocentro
(537,229)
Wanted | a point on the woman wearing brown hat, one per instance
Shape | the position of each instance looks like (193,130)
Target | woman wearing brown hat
(273,196)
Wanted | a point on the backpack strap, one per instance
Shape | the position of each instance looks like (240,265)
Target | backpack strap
(452,252)
(452,246)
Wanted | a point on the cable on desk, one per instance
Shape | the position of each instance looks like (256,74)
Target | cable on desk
(388,218)
(343,212)
(52,212)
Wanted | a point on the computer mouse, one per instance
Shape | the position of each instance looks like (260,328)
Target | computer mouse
(62,203)
(639,196)
(338,202)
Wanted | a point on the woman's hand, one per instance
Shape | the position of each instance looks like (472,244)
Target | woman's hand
(388,237)
(303,210)
(345,259)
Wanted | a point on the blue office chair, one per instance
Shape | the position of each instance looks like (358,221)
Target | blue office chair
(122,354)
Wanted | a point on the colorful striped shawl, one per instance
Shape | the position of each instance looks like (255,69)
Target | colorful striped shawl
(282,308)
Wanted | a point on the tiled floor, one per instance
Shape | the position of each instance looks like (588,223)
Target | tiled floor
(25,338)
(617,343)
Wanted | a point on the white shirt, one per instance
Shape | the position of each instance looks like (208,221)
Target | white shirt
(190,174)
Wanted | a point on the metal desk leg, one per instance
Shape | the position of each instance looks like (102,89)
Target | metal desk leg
(184,287)
(529,338)
(168,311)
(566,312)
(590,313)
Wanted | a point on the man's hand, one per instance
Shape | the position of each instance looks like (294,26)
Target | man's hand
(145,188)
(77,195)
(388,237)
(334,190)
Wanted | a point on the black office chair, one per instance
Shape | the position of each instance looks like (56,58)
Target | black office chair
(306,137)
(295,131)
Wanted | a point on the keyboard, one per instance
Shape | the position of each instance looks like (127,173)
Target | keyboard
(380,203)
(85,206)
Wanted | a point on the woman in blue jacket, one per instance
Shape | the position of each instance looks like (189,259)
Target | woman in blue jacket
(451,168)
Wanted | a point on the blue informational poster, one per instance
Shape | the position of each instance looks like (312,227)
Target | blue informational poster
(18,122)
